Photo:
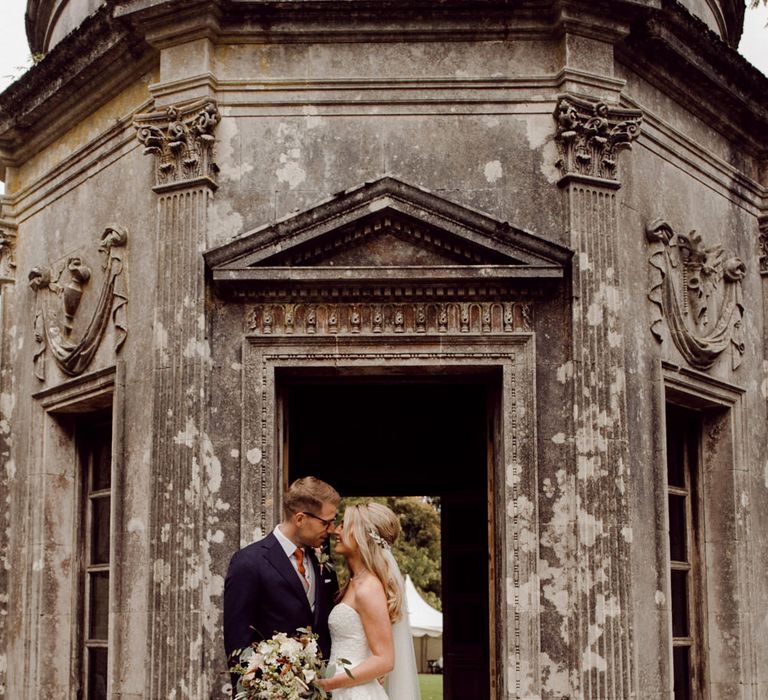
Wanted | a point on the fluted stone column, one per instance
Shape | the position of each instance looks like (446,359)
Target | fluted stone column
(183,468)
(7,289)
(589,138)
(763,245)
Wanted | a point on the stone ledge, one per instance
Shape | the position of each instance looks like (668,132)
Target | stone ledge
(677,53)
(79,75)
(111,48)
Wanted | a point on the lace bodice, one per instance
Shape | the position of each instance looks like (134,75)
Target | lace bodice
(348,642)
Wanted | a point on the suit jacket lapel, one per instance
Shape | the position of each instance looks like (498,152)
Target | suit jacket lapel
(323,599)
(278,559)
(318,583)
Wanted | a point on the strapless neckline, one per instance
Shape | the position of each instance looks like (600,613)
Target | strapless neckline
(348,642)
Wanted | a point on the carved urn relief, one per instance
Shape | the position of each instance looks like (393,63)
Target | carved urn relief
(696,289)
(75,301)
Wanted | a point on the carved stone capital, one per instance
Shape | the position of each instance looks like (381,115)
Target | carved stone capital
(696,289)
(590,136)
(7,254)
(181,140)
(763,243)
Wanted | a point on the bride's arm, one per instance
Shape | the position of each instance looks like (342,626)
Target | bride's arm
(371,605)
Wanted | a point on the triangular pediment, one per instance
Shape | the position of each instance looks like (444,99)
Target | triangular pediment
(385,232)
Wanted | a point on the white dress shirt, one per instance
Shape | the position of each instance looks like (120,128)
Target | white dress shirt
(290,551)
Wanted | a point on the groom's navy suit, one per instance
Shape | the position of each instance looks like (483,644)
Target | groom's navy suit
(263,595)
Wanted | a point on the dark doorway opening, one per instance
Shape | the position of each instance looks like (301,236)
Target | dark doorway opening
(412,436)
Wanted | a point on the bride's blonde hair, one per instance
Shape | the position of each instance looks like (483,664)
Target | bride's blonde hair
(375,529)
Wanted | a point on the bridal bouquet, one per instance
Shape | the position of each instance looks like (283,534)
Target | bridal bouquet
(283,667)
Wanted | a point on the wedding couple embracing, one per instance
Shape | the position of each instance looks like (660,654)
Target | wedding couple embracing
(282,584)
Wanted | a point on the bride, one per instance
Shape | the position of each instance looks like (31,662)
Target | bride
(369,625)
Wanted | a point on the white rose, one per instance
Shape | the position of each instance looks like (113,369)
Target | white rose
(290,647)
(255,662)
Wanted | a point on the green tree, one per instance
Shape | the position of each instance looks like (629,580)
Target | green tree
(417,550)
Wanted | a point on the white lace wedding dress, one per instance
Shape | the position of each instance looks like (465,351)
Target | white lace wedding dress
(348,642)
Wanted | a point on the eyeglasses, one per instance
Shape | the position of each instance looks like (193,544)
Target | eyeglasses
(327,523)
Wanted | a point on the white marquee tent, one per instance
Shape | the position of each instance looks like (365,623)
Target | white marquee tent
(426,627)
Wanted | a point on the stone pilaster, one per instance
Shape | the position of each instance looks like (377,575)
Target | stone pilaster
(589,138)
(763,243)
(7,289)
(183,472)
(763,261)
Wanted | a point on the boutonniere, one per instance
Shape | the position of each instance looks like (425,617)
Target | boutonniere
(323,560)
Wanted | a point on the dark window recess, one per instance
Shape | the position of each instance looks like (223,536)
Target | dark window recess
(683,431)
(94,444)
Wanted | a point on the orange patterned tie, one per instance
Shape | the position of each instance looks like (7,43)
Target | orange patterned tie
(299,554)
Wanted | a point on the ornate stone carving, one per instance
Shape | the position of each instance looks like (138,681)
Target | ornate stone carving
(182,141)
(61,289)
(763,243)
(390,318)
(698,291)
(590,136)
(7,255)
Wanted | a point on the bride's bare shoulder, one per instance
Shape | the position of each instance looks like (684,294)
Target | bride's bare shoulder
(369,592)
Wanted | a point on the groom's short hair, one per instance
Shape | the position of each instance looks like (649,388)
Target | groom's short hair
(308,493)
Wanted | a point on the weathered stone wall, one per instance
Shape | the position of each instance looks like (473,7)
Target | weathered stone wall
(469,111)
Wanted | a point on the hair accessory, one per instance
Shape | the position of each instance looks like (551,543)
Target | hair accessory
(378,539)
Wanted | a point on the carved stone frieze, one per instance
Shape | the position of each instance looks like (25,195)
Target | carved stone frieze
(590,136)
(697,290)
(7,255)
(763,243)
(63,290)
(389,318)
(182,141)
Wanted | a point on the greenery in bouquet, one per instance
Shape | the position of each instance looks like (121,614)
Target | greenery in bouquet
(281,668)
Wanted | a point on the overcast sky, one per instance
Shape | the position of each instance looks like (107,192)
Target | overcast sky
(14,52)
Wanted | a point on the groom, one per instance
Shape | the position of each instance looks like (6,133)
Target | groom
(277,584)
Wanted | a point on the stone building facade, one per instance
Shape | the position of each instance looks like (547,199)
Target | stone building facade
(509,253)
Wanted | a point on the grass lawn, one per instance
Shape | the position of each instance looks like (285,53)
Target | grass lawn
(431,685)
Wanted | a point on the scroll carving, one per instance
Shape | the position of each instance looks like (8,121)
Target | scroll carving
(697,290)
(182,141)
(7,255)
(763,243)
(62,290)
(390,318)
(591,135)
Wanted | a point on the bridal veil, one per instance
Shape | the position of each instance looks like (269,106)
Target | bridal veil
(402,683)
